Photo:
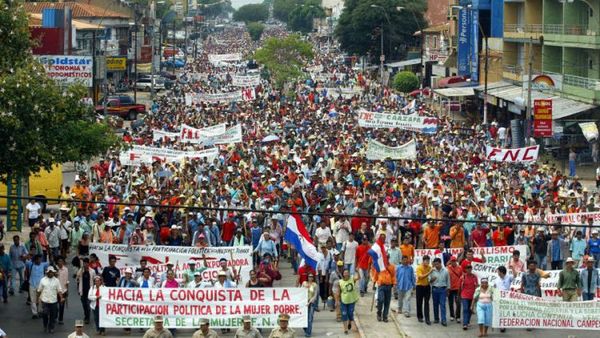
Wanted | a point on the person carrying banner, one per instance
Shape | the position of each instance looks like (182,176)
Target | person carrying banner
(158,331)
(569,282)
(504,281)
(247,331)
(590,280)
(483,298)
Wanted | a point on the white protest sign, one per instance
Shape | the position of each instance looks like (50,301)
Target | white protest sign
(214,58)
(221,97)
(379,151)
(68,69)
(494,255)
(245,80)
(160,135)
(411,122)
(248,94)
(231,135)
(589,130)
(517,310)
(527,154)
(196,135)
(227,136)
(184,308)
(346,93)
(142,154)
(238,258)
(574,218)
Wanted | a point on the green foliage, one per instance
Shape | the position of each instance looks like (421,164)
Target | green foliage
(251,13)
(214,8)
(406,82)
(255,29)
(301,18)
(359,26)
(41,124)
(284,58)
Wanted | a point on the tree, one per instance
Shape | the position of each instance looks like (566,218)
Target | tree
(283,8)
(284,58)
(359,27)
(301,18)
(41,124)
(251,13)
(255,29)
(406,82)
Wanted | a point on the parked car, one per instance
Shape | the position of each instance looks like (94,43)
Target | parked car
(168,75)
(145,83)
(123,106)
(170,63)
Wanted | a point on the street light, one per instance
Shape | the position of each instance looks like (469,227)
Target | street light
(382,56)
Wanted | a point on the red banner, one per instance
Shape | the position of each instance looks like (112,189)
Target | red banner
(542,118)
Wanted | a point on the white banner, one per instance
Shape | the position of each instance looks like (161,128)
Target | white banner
(142,154)
(212,137)
(159,135)
(527,154)
(549,284)
(412,122)
(238,258)
(575,218)
(248,94)
(68,69)
(517,310)
(379,151)
(245,80)
(184,308)
(232,57)
(345,92)
(494,255)
(589,130)
(195,98)
(196,135)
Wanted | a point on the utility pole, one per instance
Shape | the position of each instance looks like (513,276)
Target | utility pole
(529,78)
(152,26)
(94,70)
(485,84)
(381,58)
(135,52)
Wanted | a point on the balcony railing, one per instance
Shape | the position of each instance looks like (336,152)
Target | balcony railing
(568,29)
(518,70)
(582,82)
(523,28)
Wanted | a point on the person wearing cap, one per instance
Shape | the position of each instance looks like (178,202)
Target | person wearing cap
(205,331)
(52,233)
(482,300)
(590,280)
(128,281)
(247,331)
(78,333)
(577,247)
(594,247)
(49,294)
(569,282)
(283,331)
(190,273)
(468,284)
(198,282)
(557,251)
(158,331)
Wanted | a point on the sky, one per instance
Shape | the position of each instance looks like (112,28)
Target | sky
(238,3)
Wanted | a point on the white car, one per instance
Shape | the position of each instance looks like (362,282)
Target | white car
(146,84)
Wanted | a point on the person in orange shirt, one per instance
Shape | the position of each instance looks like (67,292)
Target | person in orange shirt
(500,236)
(454,272)
(386,281)
(457,236)
(431,235)
(407,249)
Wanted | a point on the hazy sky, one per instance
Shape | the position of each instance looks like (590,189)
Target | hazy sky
(238,3)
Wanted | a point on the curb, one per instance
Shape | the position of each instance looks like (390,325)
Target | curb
(361,332)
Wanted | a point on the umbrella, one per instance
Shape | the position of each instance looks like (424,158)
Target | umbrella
(270,138)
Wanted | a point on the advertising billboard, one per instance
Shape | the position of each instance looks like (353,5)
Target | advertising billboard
(68,69)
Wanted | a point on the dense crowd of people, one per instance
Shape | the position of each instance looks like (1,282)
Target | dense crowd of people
(450,197)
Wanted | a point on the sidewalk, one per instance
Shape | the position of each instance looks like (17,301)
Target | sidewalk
(369,327)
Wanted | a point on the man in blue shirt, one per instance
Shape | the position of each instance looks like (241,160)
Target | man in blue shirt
(5,269)
(405,282)
(577,247)
(594,247)
(37,270)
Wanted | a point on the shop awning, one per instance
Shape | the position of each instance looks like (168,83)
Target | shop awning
(562,108)
(403,63)
(455,92)
(453,81)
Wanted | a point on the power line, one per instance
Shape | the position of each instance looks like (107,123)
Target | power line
(283,211)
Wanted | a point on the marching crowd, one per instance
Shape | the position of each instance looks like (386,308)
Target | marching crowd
(450,197)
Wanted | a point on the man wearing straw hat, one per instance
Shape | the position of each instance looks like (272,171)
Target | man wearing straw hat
(78,333)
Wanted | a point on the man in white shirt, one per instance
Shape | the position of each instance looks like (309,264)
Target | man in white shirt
(78,330)
(52,233)
(322,234)
(33,209)
(49,294)
(349,252)
(198,283)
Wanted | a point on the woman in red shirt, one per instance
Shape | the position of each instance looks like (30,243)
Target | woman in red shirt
(468,285)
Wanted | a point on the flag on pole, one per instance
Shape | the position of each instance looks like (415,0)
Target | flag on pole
(297,235)
(377,253)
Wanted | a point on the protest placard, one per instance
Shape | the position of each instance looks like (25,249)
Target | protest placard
(411,122)
(379,151)
(184,308)
(252,80)
(517,310)
(214,135)
(527,154)
(238,258)
(494,255)
(574,218)
(161,135)
(231,57)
